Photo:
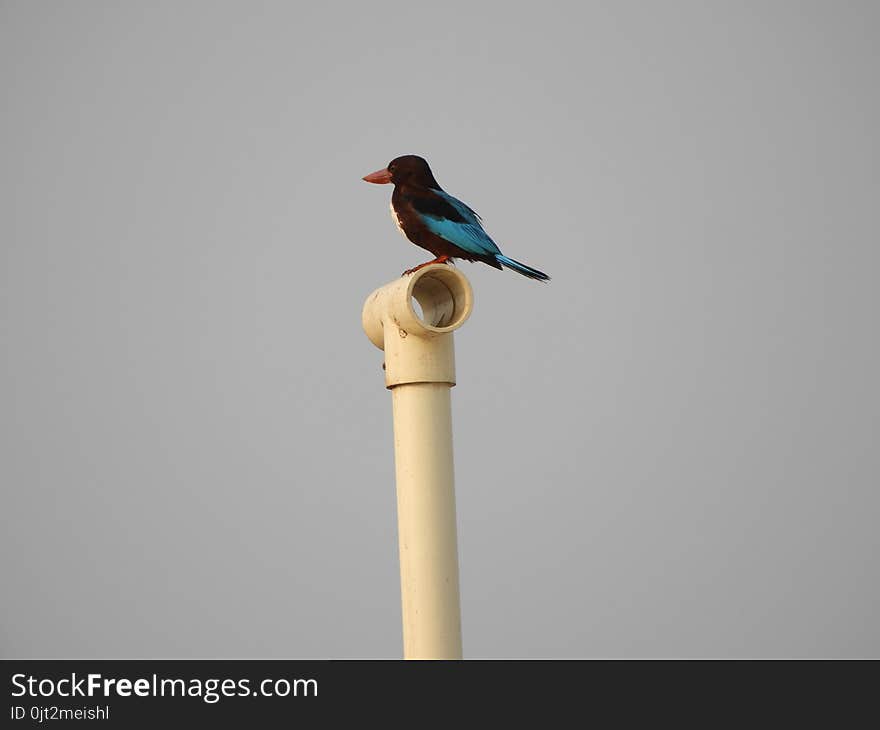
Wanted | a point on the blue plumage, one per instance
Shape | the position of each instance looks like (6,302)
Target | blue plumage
(521,268)
(468,236)
(463,209)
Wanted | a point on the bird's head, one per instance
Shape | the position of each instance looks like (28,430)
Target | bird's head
(407,170)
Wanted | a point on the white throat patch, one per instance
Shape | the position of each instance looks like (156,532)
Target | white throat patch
(396,220)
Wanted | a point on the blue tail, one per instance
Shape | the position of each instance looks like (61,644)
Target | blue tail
(521,268)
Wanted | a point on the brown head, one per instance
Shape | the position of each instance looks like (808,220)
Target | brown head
(410,170)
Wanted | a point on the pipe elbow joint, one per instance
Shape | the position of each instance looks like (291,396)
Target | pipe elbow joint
(412,319)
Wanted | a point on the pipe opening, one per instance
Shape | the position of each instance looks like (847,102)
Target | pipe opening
(440,298)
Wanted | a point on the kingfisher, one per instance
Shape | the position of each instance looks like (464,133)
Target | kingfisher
(431,218)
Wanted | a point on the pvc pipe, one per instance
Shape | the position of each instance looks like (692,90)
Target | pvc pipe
(419,371)
(426,521)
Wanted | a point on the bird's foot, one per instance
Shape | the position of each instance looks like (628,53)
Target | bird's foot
(438,260)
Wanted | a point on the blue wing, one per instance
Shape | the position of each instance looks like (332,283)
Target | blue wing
(457,223)
(464,210)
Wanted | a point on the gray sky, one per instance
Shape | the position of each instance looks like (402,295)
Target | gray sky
(670,450)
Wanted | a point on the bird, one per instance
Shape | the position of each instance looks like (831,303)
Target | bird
(431,218)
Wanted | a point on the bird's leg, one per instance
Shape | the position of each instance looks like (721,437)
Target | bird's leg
(438,260)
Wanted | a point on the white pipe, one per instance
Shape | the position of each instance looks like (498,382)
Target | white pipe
(420,370)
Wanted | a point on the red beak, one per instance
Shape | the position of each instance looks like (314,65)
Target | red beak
(380,177)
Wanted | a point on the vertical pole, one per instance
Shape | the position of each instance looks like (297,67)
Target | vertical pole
(426,521)
(420,371)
